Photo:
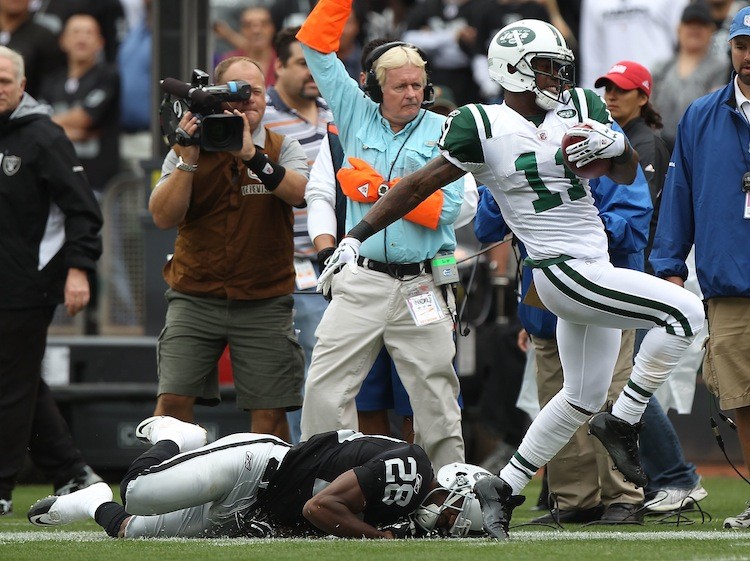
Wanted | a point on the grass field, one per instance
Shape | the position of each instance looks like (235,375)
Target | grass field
(694,539)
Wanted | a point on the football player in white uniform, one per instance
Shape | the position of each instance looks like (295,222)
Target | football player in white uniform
(514,148)
(341,483)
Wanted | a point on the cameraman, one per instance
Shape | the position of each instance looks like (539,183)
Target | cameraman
(231,277)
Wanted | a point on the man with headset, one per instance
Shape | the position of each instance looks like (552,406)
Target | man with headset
(390,297)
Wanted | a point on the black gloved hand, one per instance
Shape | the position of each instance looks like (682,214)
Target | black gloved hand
(254,525)
(403,529)
(323,256)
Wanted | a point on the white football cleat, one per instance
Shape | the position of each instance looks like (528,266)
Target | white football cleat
(187,436)
(81,505)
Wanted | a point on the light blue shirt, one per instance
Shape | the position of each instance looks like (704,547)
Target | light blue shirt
(365,134)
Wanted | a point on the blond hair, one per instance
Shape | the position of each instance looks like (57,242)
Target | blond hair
(397,57)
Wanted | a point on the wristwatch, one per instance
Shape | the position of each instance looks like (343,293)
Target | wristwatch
(184,166)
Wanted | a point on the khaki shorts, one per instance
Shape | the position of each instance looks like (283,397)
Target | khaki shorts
(267,361)
(726,366)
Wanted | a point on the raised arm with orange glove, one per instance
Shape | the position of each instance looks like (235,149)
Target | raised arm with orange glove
(323,27)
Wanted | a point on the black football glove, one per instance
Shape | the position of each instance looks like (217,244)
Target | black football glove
(323,256)
(254,525)
(403,529)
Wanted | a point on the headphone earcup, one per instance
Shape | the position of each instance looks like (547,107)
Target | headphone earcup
(372,88)
(429,95)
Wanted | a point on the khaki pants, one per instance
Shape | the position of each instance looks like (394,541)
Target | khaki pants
(581,474)
(368,311)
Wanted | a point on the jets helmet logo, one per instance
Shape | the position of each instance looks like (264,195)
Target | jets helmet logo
(508,38)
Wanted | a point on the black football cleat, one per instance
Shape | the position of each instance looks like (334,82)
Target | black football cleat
(497,502)
(620,439)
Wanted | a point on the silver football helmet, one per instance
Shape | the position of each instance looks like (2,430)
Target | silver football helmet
(458,481)
(514,47)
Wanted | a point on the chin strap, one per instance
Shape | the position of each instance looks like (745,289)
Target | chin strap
(545,101)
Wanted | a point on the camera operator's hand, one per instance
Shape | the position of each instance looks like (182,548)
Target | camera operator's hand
(248,148)
(170,199)
(187,128)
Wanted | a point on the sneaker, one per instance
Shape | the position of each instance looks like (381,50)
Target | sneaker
(6,507)
(57,510)
(620,439)
(622,513)
(85,478)
(188,436)
(669,499)
(497,502)
(742,520)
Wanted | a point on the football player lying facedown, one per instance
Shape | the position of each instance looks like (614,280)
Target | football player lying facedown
(339,483)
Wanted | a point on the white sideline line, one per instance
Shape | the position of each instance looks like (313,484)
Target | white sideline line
(516,536)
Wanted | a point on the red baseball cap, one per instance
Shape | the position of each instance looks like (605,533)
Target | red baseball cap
(628,75)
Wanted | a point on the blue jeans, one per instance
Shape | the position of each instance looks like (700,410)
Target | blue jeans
(661,451)
(308,309)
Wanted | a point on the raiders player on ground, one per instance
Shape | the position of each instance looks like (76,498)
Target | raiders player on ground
(514,148)
(338,483)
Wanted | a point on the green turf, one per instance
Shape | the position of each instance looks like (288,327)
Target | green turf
(701,540)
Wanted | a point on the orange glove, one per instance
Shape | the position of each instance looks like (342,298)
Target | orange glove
(427,213)
(360,182)
(323,27)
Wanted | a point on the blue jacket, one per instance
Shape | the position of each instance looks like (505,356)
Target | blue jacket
(625,211)
(703,202)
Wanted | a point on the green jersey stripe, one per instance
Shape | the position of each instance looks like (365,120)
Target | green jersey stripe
(480,116)
(575,97)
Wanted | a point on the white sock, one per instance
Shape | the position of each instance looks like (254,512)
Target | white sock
(659,354)
(83,503)
(169,433)
(550,431)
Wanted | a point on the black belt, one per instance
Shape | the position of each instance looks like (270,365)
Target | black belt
(396,270)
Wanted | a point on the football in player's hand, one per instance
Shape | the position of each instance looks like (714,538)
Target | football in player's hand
(592,170)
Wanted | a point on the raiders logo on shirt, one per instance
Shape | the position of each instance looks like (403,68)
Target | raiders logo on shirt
(11,164)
